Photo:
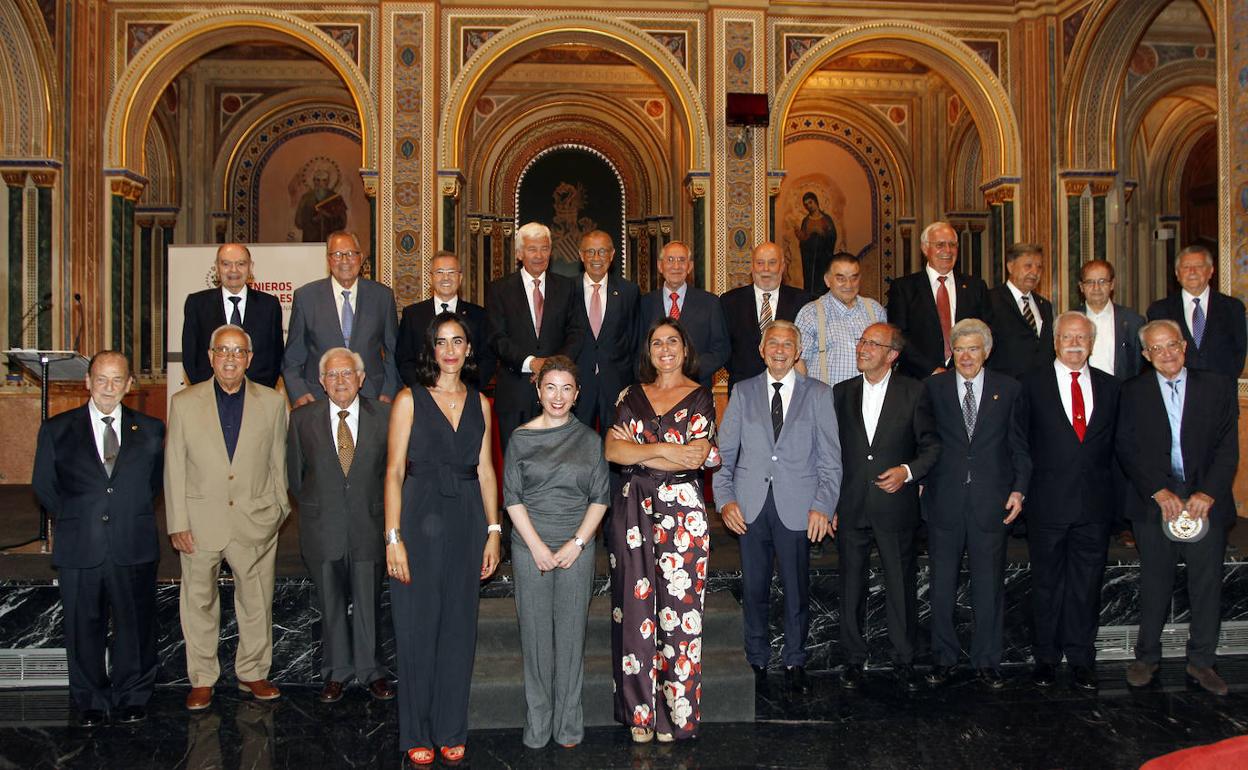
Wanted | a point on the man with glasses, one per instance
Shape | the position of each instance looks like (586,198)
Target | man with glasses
(1213,324)
(1022,320)
(606,362)
(336,458)
(446,276)
(832,322)
(1066,413)
(1117,348)
(225,499)
(1178,441)
(700,312)
(258,313)
(925,305)
(341,310)
(889,443)
(749,308)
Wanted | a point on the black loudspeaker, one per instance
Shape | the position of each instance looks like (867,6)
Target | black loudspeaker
(746,109)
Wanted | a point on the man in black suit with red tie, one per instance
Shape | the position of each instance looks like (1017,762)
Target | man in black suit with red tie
(1178,441)
(1067,413)
(97,471)
(445,281)
(1212,323)
(607,359)
(747,309)
(531,314)
(972,495)
(258,313)
(889,443)
(925,305)
(1022,320)
(698,311)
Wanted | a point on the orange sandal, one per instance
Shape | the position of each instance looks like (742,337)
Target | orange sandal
(420,756)
(453,753)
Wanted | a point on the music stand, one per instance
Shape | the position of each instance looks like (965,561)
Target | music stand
(46,366)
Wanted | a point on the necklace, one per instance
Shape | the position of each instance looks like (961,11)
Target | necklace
(452,404)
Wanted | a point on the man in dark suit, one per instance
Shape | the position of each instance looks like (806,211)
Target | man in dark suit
(747,309)
(532,314)
(1178,441)
(698,311)
(342,310)
(606,362)
(237,303)
(777,487)
(972,495)
(335,460)
(1067,413)
(1213,323)
(445,282)
(889,443)
(926,304)
(1022,320)
(97,470)
(1117,349)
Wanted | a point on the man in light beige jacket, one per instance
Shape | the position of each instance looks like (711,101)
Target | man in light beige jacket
(225,498)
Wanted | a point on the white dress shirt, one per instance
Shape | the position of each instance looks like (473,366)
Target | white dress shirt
(1085,387)
(588,285)
(977,389)
(681,291)
(97,426)
(873,402)
(353,422)
(1189,306)
(1105,348)
(229,306)
(786,390)
(932,278)
(774,299)
(452,305)
(338,300)
(1031,300)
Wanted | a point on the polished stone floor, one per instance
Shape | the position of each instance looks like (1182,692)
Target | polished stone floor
(960,726)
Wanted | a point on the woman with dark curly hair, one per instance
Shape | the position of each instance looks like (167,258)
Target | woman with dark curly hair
(664,436)
(442,504)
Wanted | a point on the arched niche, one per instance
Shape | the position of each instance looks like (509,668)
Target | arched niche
(29,94)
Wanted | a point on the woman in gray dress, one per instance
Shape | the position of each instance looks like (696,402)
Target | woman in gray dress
(556,489)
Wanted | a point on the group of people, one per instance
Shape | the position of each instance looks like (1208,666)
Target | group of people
(954,405)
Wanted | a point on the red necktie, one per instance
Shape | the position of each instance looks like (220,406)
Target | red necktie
(675,314)
(537,306)
(1077,420)
(946,315)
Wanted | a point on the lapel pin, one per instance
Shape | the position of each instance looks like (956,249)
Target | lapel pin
(134,427)
(615,294)
(995,397)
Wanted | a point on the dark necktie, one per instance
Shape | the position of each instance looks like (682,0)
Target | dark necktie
(968,409)
(446,307)
(1077,418)
(111,445)
(236,317)
(777,411)
(1198,322)
(1028,316)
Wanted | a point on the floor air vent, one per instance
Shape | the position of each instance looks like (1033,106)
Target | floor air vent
(1118,642)
(34,667)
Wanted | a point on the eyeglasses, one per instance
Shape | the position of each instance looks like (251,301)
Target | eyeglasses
(338,374)
(972,349)
(234,352)
(445,273)
(873,343)
(344,256)
(1173,345)
(1097,283)
(945,245)
(603,252)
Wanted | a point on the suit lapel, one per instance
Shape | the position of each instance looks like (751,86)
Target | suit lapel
(325,435)
(888,409)
(963,290)
(249,429)
(367,425)
(85,437)
(217,311)
(987,402)
(800,391)
(211,425)
(856,389)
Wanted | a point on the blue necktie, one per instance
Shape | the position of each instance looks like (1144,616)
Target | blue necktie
(1198,322)
(1175,413)
(348,318)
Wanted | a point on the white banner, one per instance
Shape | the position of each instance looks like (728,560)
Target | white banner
(278,269)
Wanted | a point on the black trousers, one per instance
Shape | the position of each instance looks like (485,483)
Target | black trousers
(349,643)
(1159,555)
(122,597)
(986,556)
(897,557)
(1067,565)
(767,543)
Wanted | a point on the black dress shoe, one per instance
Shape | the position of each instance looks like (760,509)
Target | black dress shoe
(939,675)
(851,676)
(906,677)
(1084,678)
(129,715)
(796,681)
(1044,675)
(760,678)
(991,678)
(91,717)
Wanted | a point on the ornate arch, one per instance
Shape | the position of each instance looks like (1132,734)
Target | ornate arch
(161,162)
(28,85)
(168,53)
(963,170)
(594,29)
(1196,79)
(968,75)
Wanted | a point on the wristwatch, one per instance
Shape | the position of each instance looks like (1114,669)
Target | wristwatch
(579,543)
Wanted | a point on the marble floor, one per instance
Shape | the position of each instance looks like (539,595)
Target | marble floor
(960,726)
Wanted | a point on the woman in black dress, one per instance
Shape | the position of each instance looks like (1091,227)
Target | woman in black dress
(664,435)
(442,539)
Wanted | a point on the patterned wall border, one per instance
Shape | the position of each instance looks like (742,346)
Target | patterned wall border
(27,90)
(1232,31)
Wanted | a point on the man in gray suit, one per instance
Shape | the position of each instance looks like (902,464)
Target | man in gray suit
(779,425)
(342,310)
(335,460)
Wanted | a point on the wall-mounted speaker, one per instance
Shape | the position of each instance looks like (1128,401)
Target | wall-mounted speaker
(746,109)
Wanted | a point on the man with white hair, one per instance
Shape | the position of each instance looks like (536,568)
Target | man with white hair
(1067,413)
(531,314)
(1212,322)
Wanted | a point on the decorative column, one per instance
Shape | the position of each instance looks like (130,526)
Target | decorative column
(697,185)
(370,192)
(42,279)
(1000,198)
(160,355)
(774,180)
(145,226)
(1087,224)
(1232,58)
(450,183)
(15,182)
(124,189)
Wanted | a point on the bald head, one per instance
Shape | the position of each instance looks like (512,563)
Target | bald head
(767,266)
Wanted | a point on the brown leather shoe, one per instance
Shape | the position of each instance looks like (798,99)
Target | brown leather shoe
(331,693)
(381,689)
(1141,674)
(262,689)
(1126,539)
(1205,678)
(199,698)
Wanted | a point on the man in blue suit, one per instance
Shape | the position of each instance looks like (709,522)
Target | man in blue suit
(342,310)
(697,310)
(97,470)
(777,487)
